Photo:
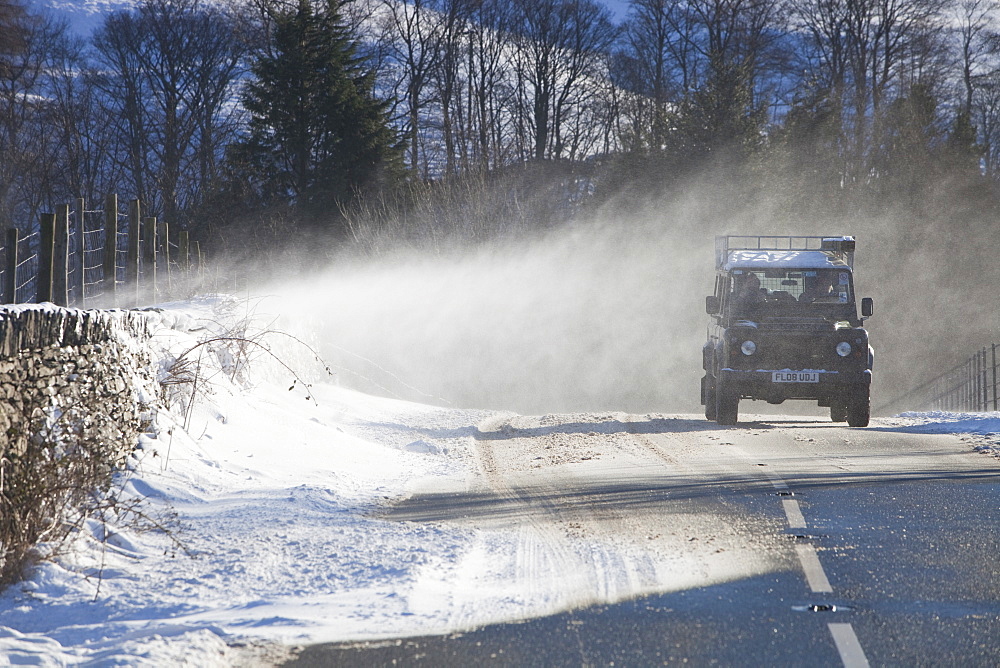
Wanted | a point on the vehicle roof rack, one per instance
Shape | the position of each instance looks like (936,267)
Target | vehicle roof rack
(842,246)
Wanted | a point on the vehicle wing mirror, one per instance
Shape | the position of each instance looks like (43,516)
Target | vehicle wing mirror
(711,304)
(867,307)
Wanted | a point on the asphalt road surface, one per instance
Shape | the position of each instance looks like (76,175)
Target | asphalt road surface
(781,541)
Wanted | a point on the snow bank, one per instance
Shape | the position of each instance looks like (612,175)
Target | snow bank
(265,507)
(981,429)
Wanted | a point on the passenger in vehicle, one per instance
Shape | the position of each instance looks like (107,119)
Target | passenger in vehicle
(820,288)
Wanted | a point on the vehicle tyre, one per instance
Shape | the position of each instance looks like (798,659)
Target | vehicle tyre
(838,410)
(709,397)
(727,405)
(859,408)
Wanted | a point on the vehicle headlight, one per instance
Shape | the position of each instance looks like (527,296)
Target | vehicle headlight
(748,348)
(843,348)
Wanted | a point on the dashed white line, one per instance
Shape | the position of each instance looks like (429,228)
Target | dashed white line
(815,575)
(794,514)
(851,653)
(848,646)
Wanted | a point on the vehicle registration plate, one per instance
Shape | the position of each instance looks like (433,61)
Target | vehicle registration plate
(795,377)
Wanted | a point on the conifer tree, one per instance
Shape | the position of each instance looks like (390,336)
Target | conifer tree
(721,115)
(318,137)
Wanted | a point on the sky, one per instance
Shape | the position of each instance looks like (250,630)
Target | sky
(271,492)
(84,15)
(619,7)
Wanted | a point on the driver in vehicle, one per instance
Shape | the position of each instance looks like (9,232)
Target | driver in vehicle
(748,292)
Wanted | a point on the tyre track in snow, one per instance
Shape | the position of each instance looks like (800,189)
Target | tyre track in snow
(546,548)
(598,505)
(579,509)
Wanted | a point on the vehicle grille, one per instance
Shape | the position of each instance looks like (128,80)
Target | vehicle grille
(791,351)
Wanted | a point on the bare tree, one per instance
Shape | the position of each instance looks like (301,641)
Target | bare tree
(88,146)
(490,87)
(657,50)
(706,68)
(868,52)
(12,43)
(583,67)
(559,43)
(976,32)
(170,68)
(742,34)
(28,172)
(453,35)
(413,30)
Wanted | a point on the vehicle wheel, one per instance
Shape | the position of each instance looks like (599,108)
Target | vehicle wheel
(859,408)
(709,398)
(727,405)
(838,410)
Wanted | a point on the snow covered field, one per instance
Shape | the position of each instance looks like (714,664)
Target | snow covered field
(270,491)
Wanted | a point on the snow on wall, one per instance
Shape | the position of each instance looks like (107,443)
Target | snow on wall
(73,371)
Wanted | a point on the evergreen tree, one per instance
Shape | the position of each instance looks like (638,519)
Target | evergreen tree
(909,150)
(963,150)
(318,137)
(721,115)
(806,154)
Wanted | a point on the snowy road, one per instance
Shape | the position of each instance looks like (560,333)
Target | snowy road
(610,506)
(784,539)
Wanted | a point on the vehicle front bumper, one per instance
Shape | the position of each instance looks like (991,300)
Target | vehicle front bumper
(759,384)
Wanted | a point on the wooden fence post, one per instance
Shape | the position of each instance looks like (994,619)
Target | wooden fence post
(79,286)
(149,257)
(60,257)
(10,275)
(970,400)
(967,399)
(199,266)
(46,251)
(983,382)
(993,348)
(163,250)
(184,261)
(132,253)
(984,386)
(109,274)
(975,382)
(184,252)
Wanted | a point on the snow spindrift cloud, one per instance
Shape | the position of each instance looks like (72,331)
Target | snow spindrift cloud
(591,317)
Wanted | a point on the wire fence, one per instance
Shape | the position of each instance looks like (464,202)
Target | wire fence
(99,257)
(972,386)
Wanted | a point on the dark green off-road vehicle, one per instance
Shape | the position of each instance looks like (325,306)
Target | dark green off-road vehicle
(786,326)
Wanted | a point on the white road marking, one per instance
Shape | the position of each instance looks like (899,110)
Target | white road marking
(851,653)
(848,646)
(815,575)
(794,514)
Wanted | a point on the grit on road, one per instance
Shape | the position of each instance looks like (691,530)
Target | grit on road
(783,540)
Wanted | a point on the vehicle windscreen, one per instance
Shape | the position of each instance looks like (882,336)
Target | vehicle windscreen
(807,289)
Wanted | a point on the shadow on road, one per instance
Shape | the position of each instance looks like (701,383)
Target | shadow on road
(696,627)
(664,494)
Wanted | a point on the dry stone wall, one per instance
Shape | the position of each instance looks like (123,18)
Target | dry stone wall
(74,389)
(74,375)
